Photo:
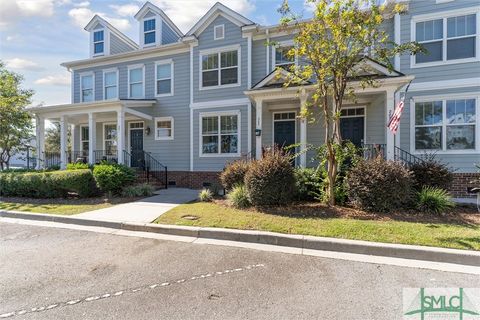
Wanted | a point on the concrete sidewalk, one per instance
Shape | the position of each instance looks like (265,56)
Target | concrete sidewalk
(145,210)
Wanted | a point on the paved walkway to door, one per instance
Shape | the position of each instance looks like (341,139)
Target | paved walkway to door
(145,210)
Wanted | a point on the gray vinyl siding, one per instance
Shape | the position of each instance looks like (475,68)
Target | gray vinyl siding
(460,162)
(117,45)
(218,163)
(259,61)
(168,35)
(442,72)
(233,36)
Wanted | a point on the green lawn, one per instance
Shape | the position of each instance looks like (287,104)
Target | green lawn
(462,235)
(58,206)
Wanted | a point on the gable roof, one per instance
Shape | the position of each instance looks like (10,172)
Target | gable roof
(274,79)
(218,9)
(97,19)
(148,6)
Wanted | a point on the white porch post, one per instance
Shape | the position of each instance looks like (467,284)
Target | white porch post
(258,127)
(390,138)
(63,142)
(303,133)
(92,134)
(120,134)
(73,130)
(40,141)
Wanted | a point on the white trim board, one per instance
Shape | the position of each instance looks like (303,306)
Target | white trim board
(220,103)
(445,84)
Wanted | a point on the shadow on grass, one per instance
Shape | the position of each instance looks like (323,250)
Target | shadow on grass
(471,243)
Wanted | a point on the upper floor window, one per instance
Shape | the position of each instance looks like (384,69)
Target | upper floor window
(110,84)
(149,31)
(164,78)
(98,42)
(220,69)
(282,59)
(219,32)
(135,82)
(86,88)
(445,124)
(447,39)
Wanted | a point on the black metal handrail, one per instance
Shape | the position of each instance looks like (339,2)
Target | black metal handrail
(155,168)
(406,157)
(105,156)
(51,159)
(147,165)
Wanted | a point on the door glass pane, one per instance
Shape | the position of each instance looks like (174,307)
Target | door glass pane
(210,144)
(460,137)
(428,138)
(461,48)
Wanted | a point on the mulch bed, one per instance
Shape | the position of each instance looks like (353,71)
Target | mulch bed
(461,214)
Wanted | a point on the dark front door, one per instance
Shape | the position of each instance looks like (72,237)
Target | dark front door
(284,133)
(352,129)
(136,147)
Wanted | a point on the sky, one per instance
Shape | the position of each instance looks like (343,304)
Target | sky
(36,36)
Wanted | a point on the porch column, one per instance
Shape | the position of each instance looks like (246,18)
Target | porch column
(63,142)
(390,138)
(303,133)
(92,134)
(73,130)
(258,128)
(40,140)
(120,134)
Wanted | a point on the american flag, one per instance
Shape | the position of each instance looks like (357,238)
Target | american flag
(394,121)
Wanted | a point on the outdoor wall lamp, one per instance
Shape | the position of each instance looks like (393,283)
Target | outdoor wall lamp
(258,132)
(147,131)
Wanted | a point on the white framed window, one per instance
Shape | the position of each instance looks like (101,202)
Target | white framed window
(219,32)
(164,128)
(282,59)
(136,82)
(451,37)
(220,68)
(110,84)
(98,42)
(220,134)
(446,124)
(110,138)
(84,140)
(149,32)
(87,87)
(164,78)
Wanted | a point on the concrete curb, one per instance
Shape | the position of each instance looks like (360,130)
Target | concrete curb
(463,257)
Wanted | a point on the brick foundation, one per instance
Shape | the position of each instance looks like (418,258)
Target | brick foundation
(194,180)
(461,181)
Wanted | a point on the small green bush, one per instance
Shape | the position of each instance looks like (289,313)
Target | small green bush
(78,166)
(434,200)
(238,196)
(234,174)
(271,180)
(112,178)
(55,184)
(432,173)
(380,186)
(141,190)
(309,183)
(206,195)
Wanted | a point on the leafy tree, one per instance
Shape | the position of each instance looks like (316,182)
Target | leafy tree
(52,138)
(15,121)
(331,47)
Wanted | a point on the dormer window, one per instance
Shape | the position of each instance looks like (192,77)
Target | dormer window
(149,31)
(98,42)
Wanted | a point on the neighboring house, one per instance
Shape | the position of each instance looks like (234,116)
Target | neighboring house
(197,101)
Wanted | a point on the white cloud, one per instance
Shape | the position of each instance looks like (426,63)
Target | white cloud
(43,8)
(55,80)
(185,15)
(14,37)
(23,64)
(126,10)
(82,16)
(82,4)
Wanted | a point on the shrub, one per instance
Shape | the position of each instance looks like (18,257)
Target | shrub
(432,173)
(238,196)
(379,185)
(113,177)
(309,183)
(206,195)
(141,190)
(271,180)
(434,200)
(234,174)
(78,166)
(54,184)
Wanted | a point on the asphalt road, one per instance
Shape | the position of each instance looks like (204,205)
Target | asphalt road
(139,278)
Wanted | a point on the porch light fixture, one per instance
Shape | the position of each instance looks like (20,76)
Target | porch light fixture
(258,132)
(147,131)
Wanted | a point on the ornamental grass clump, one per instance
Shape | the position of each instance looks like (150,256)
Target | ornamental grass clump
(434,200)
